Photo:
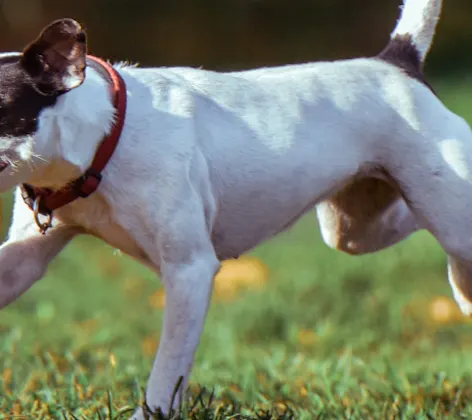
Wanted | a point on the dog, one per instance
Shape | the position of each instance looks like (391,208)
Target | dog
(182,168)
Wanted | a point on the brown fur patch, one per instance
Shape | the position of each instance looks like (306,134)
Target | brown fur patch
(402,53)
(352,214)
(364,199)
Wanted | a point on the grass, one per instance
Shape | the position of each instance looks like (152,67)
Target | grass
(324,336)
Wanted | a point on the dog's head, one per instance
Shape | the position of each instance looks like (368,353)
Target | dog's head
(30,82)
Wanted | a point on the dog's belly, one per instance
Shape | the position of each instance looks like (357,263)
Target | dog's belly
(257,198)
(230,244)
(262,211)
(239,230)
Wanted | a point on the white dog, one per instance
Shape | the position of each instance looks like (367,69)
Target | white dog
(208,165)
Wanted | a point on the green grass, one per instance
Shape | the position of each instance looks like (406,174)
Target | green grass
(329,336)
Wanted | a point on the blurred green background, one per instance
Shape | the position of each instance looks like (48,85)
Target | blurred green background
(233,34)
(296,324)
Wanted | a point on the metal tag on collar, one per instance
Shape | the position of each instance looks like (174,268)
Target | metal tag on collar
(43,226)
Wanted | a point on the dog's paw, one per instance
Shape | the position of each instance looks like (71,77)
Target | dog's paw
(142,414)
(139,415)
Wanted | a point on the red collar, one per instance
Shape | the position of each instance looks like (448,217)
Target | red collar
(43,200)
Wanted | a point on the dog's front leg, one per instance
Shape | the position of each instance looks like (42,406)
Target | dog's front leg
(188,291)
(188,294)
(188,265)
(24,257)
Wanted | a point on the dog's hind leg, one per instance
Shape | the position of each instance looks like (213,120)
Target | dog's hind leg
(365,216)
(460,278)
(26,254)
(436,180)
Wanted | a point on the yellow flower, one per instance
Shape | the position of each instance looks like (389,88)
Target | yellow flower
(444,310)
(246,272)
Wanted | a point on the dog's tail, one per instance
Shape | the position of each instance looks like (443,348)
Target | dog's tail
(411,39)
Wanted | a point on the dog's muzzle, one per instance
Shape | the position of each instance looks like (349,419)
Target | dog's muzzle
(3,166)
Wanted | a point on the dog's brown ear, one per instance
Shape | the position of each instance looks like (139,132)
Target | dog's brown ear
(56,60)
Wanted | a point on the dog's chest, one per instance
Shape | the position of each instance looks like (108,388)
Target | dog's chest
(95,216)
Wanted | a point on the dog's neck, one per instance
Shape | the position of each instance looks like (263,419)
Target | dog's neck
(70,131)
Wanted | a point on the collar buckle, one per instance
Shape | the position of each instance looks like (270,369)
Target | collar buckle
(88,183)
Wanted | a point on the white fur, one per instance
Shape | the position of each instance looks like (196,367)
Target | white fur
(419,19)
(209,165)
